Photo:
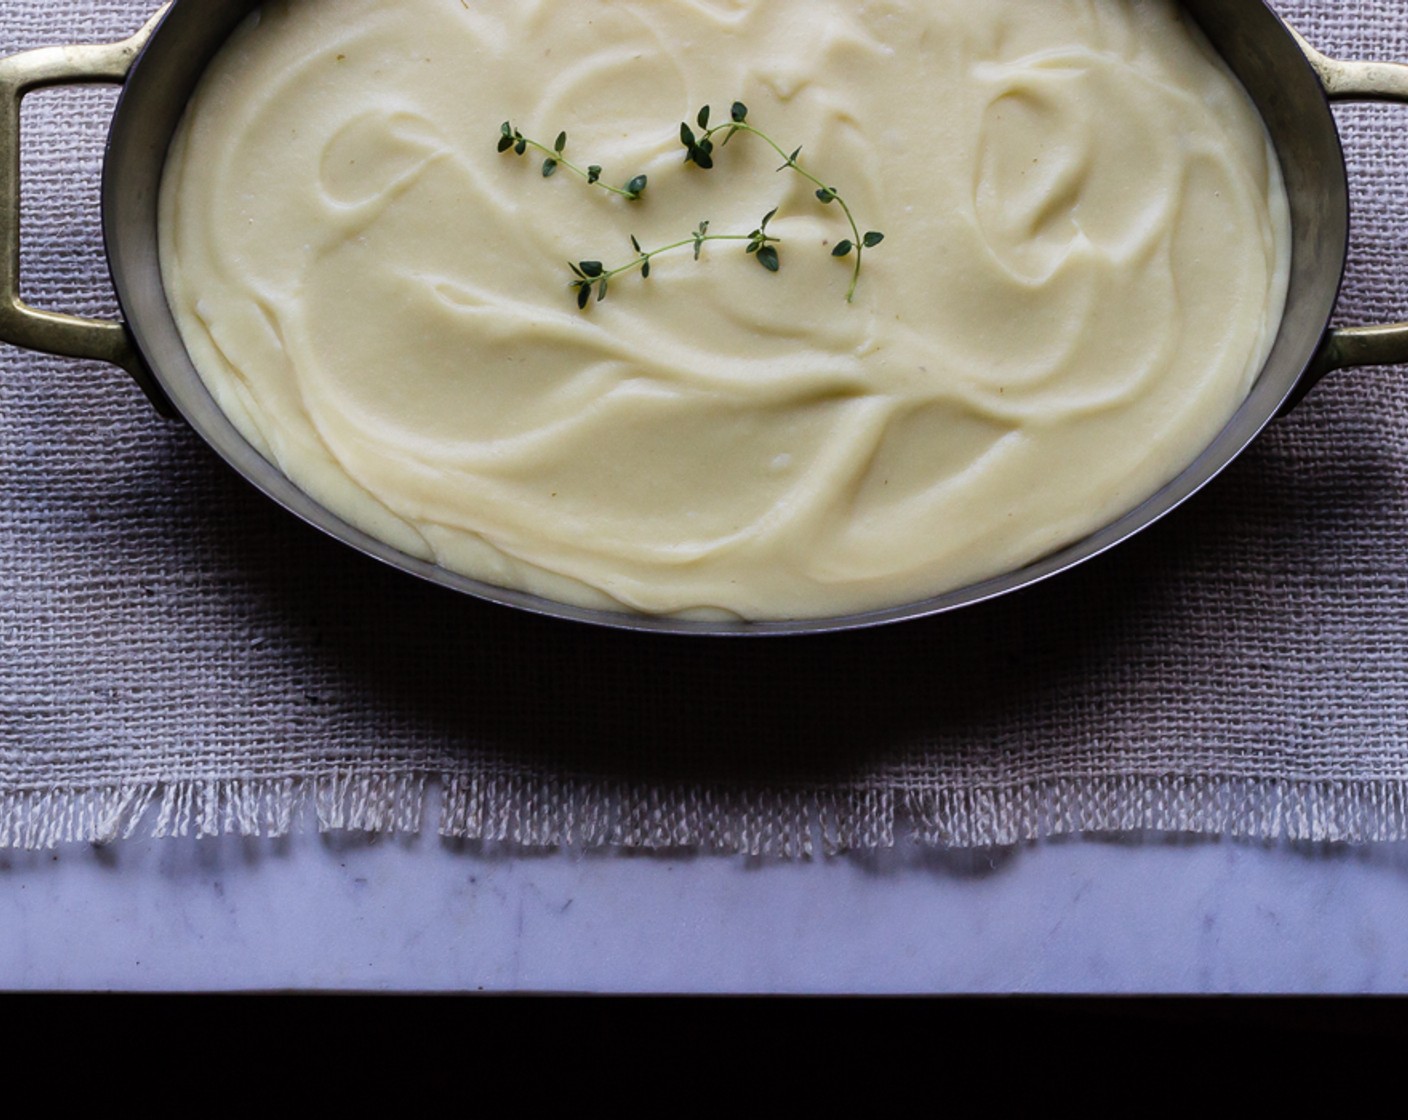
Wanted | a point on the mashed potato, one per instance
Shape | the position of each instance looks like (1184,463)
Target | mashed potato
(1086,260)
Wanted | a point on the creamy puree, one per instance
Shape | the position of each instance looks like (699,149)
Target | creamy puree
(1086,259)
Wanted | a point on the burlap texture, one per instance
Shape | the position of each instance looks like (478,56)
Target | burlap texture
(178,656)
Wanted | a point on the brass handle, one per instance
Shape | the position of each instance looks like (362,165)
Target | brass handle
(1359,81)
(20,324)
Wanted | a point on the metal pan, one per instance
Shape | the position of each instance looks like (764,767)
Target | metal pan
(1291,83)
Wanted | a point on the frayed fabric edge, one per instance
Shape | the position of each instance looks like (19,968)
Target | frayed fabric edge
(787,823)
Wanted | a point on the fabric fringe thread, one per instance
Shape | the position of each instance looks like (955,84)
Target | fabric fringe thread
(535,812)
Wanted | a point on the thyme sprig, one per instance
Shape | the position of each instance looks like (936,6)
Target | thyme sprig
(699,150)
(595,276)
(512,138)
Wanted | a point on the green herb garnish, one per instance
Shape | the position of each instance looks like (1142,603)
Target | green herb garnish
(593,276)
(512,139)
(699,150)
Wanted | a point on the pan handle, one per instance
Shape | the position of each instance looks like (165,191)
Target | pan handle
(1346,347)
(20,324)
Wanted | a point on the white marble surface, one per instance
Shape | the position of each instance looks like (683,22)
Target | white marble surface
(416,913)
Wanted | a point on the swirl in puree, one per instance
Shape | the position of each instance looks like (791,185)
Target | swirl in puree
(1085,264)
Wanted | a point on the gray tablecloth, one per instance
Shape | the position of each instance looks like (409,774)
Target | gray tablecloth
(176,655)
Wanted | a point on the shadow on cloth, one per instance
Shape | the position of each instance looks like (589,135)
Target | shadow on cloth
(569,698)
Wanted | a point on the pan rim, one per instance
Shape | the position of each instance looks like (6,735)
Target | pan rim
(134,265)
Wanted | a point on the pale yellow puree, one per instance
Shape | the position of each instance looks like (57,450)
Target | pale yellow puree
(1085,262)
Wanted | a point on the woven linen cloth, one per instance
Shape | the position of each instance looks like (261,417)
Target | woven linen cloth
(179,656)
